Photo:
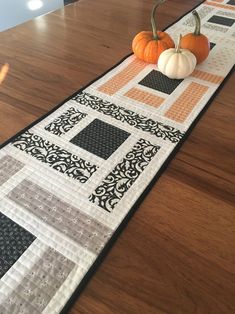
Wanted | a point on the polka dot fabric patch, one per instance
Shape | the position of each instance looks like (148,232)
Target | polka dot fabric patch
(158,81)
(212,45)
(14,240)
(100,138)
(221,20)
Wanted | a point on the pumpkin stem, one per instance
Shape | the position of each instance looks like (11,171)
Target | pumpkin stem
(197,30)
(178,44)
(153,23)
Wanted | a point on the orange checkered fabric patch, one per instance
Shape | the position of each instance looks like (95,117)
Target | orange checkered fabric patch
(220,5)
(184,105)
(207,76)
(145,97)
(122,78)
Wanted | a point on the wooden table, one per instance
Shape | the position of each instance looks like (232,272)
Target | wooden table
(177,254)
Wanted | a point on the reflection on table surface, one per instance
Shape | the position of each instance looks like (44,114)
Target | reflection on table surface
(14,12)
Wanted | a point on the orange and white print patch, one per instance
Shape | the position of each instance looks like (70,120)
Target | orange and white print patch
(145,97)
(122,78)
(184,105)
(220,5)
(216,79)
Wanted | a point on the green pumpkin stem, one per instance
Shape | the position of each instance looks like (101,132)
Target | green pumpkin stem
(177,49)
(153,23)
(197,30)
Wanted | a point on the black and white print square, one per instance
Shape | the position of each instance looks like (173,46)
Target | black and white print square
(221,20)
(100,138)
(160,82)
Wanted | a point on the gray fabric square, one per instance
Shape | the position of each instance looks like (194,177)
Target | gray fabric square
(158,81)
(231,2)
(221,20)
(100,138)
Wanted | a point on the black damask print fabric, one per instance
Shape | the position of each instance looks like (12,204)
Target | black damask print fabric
(54,156)
(136,120)
(117,183)
(14,240)
(65,122)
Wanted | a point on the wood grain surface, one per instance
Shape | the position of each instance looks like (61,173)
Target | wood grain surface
(177,254)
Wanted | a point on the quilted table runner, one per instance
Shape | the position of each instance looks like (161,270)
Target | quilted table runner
(69,181)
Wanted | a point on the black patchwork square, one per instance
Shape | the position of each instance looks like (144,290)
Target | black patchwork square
(100,138)
(14,240)
(221,20)
(231,2)
(158,81)
(212,45)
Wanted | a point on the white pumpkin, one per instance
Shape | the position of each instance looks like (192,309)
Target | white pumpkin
(177,63)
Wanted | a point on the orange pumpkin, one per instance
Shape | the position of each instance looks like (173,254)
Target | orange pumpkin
(196,42)
(147,45)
